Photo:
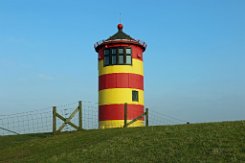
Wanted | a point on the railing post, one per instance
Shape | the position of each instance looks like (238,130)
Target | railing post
(146,117)
(125,114)
(54,119)
(80,115)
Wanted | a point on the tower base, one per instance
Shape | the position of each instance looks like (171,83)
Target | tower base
(119,124)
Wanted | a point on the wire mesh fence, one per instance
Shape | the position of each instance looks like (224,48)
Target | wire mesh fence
(41,121)
(26,122)
(187,143)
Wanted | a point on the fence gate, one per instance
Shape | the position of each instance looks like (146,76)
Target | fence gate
(67,121)
(126,124)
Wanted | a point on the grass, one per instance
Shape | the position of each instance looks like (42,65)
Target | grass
(210,142)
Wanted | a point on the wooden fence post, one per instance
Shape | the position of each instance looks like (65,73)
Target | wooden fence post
(54,119)
(125,114)
(80,115)
(146,117)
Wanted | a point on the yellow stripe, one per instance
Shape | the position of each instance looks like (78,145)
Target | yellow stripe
(119,124)
(135,68)
(119,96)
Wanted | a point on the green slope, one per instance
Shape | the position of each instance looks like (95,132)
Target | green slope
(210,142)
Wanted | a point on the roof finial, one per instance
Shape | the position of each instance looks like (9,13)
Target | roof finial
(120,27)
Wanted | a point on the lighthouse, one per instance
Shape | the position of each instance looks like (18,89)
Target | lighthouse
(121,79)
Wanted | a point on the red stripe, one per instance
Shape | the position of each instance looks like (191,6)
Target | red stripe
(121,80)
(116,112)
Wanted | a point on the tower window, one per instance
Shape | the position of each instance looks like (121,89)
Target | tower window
(113,56)
(118,56)
(128,56)
(128,51)
(106,57)
(135,95)
(120,51)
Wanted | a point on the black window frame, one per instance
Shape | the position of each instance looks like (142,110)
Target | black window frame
(124,54)
(135,96)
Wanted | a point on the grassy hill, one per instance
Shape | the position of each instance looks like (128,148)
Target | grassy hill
(210,142)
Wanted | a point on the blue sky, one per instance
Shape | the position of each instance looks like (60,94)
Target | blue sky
(194,63)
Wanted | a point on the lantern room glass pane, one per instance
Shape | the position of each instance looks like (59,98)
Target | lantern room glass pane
(120,59)
(106,52)
(114,60)
(113,51)
(106,60)
(113,56)
(120,51)
(128,51)
(128,60)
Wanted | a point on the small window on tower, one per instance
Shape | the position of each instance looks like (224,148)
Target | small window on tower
(135,95)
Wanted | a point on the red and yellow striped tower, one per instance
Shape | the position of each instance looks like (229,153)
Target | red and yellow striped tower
(121,79)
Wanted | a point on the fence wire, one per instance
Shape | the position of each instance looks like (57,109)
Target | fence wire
(26,122)
(41,121)
(199,143)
